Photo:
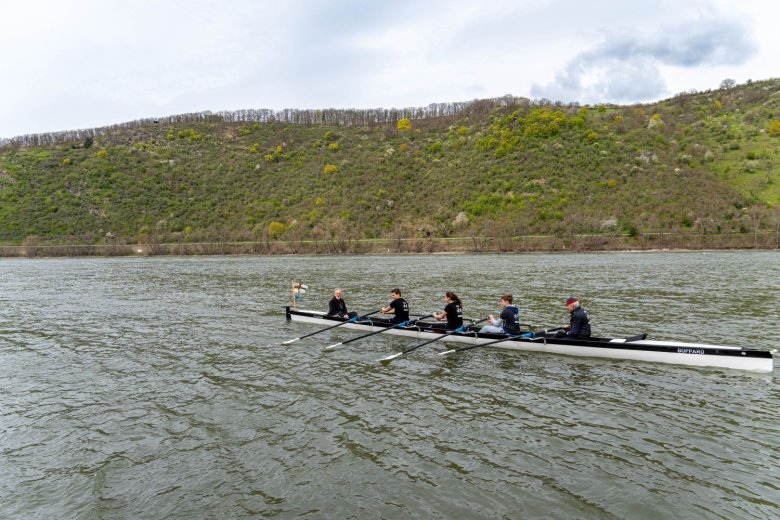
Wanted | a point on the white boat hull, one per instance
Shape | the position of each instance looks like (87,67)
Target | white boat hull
(669,352)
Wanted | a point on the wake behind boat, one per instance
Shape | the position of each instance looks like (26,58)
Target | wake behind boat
(635,348)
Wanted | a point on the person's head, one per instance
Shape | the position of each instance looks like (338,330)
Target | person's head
(395,293)
(572,303)
(506,300)
(337,293)
(451,297)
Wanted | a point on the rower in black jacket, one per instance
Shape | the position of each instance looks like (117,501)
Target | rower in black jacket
(338,307)
(579,322)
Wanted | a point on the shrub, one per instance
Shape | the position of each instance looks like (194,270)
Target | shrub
(276,229)
(774,127)
(330,169)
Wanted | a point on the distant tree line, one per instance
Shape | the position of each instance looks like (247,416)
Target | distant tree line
(330,116)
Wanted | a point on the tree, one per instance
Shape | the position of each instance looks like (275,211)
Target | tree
(404,125)
(727,84)
(276,229)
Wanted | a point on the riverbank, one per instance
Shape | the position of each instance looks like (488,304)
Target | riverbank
(517,244)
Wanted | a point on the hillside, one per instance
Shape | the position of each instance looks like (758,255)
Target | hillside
(700,161)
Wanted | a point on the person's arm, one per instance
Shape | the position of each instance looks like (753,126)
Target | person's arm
(387,310)
(496,322)
(333,308)
(440,315)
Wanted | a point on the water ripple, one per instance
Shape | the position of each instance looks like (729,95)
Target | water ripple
(159,388)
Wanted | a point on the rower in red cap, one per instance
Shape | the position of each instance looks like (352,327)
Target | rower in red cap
(579,323)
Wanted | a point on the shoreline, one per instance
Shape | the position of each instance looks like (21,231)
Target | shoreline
(646,243)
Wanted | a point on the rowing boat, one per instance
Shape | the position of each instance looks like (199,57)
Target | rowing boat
(635,348)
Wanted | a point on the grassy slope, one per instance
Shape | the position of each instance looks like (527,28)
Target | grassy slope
(522,169)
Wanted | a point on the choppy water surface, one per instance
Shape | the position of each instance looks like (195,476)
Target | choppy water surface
(158,388)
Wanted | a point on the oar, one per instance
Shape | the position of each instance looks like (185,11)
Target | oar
(406,351)
(351,320)
(526,335)
(447,352)
(402,324)
(545,331)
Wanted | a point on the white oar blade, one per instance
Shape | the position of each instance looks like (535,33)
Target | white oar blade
(329,347)
(446,352)
(392,356)
(290,341)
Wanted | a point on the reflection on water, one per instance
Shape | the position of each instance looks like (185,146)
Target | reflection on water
(157,387)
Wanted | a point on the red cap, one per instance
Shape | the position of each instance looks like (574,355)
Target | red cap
(571,300)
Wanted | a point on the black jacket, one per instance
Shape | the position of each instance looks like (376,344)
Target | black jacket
(337,307)
(579,323)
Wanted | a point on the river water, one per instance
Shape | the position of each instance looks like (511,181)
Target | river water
(158,388)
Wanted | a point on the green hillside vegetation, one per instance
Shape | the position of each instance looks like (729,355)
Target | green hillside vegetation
(706,162)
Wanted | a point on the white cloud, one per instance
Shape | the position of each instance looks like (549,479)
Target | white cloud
(626,65)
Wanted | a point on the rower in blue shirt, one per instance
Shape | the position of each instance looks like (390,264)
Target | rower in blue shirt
(508,322)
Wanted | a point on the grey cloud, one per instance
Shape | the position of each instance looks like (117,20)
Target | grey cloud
(708,42)
(626,65)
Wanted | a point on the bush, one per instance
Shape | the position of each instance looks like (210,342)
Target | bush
(330,169)
(276,229)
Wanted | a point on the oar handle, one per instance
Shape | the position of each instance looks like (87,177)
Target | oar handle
(552,330)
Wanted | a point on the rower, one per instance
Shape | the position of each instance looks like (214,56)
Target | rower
(453,312)
(508,321)
(397,306)
(579,322)
(337,307)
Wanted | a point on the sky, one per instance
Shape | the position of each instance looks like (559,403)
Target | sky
(73,64)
